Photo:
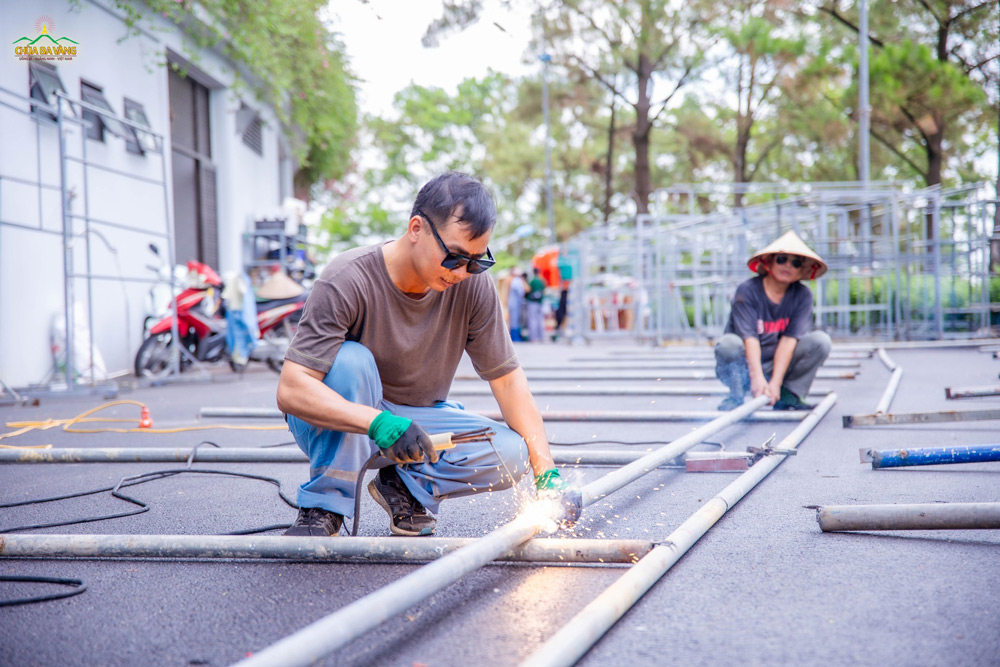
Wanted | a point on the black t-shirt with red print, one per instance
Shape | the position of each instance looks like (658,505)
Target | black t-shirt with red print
(753,315)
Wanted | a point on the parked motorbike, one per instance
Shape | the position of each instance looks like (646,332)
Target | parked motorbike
(201,328)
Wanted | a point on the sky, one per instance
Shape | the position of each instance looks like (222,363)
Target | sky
(382,39)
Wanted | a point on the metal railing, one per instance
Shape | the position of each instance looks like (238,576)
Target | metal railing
(903,263)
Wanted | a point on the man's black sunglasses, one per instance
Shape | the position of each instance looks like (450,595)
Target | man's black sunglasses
(796,261)
(453,260)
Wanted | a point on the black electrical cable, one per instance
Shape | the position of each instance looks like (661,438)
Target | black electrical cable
(134,480)
(78,587)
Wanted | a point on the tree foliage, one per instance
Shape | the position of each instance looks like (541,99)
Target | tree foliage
(287,57)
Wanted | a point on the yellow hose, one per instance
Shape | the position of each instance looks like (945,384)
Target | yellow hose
(145,425)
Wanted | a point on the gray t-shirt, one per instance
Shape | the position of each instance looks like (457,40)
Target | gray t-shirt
(417,343)
(753,315)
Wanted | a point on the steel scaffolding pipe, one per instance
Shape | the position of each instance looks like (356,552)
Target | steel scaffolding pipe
(971,392)
(650,365)
(479,389)
(253,413)
(656,415)
(575,638)
(667,374)
(887,419)
(329,633)
(701,353)
(925,456)
(561,455)
(348,549)
(930,516)
(890,390)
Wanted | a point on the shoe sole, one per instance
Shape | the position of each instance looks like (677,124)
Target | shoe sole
(395,530)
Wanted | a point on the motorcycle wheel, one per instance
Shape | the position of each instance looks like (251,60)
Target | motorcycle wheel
(152,361)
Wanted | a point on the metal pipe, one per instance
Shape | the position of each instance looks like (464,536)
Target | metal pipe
(575,638)
(479,389)
(654,416)
(890,389)
(925,456)
(919,417)
(561,455)
(971,392)
(667,374)
(346,550)
(327,634)
(599,415)
(639,365)
(931,516)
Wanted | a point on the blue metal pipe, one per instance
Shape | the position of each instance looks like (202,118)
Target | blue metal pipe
(897,458)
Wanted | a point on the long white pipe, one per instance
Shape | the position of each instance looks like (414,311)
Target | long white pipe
(584,630)
(561,455)
(890,389)
(335,630)
(343,549)
(656,416)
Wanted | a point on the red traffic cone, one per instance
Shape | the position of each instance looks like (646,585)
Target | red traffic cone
(145,421)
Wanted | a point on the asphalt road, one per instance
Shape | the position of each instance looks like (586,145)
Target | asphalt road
(763,587)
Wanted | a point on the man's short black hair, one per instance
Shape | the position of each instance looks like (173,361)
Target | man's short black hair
(460,195)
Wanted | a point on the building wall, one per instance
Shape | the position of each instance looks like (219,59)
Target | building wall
(127,214)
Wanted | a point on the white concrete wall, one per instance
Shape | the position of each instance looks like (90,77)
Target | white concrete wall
(31,243)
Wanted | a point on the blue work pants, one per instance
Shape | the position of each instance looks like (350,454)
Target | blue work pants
(336,458)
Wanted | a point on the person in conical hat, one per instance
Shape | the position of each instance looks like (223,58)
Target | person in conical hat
(769,347)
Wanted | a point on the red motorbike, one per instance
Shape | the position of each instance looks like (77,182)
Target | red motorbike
(201,328)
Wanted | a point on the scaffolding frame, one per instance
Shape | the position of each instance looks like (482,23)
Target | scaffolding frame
(73,381)
(904,264)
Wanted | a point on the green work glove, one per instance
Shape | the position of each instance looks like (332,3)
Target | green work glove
(401,440)
(550,480)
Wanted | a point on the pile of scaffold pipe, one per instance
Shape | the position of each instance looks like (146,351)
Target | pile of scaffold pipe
(575,638)
(351,621)
(925,456)
(929,516)
(561,455)
(890,389)
(354,550)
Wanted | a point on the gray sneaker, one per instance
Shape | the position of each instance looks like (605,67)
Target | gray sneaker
(315,522)
(406,515)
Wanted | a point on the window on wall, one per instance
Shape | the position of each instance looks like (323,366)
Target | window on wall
(99,122)
(43,84)
(251,129)
(137,141)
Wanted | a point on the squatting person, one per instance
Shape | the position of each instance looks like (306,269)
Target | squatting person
(769,347)
(370,366)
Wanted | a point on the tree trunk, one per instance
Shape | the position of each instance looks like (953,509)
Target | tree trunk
(609,165)
(640,136)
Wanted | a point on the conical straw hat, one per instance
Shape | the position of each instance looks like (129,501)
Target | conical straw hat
(788,244)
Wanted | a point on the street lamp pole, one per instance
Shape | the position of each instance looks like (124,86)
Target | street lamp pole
(546,59)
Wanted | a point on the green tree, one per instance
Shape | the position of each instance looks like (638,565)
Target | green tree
(628,47)
(287,57)
(930,65)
